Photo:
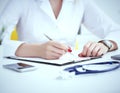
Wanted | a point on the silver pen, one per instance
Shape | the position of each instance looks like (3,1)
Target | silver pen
(48,37)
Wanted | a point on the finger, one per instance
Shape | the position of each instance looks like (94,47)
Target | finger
(85,49)
(55,56)
(91,49)
(96,50)
(52,51)
(57,50)
(102,51)
(60,46)
(52,55)
(81,55)
(99,50)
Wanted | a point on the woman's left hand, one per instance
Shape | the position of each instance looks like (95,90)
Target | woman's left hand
(93,49)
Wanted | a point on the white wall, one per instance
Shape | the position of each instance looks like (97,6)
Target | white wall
(2,4)
(111,7)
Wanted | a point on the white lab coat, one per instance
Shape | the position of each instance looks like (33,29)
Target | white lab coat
(34,18)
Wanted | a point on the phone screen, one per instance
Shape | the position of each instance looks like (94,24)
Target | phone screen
(20,67)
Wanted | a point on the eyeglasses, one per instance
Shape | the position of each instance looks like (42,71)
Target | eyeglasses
(93,67)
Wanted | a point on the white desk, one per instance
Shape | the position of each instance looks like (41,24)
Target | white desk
(44,80)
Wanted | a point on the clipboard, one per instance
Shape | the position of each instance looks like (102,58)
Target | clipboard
(48,62)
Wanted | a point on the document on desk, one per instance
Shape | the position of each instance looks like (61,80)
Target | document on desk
(64,60)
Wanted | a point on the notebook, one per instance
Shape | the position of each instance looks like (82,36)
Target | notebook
(64,60)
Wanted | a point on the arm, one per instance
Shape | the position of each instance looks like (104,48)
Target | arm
(8,20)
(48,50)
(101,25)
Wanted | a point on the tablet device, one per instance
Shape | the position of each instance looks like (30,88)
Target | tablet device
(116,57)
(20,67)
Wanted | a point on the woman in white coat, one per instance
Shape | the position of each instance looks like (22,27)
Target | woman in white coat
(60,20)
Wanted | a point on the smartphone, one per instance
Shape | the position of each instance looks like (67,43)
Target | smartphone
(20,67)
(116,57)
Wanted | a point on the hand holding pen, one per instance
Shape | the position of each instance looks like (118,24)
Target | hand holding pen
(69,48)
(55,49)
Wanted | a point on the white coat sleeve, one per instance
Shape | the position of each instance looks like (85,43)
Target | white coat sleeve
(99,23)
(8,20)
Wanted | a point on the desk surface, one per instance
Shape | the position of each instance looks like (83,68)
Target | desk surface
(51,79)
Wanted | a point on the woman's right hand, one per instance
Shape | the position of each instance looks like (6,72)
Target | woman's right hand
(52,50)
(48,50)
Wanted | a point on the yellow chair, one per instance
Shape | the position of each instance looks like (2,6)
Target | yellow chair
(14,35)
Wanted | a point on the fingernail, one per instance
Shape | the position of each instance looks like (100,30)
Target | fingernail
(69,50)
(81,55)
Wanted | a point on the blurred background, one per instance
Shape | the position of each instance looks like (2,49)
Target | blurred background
(110,7)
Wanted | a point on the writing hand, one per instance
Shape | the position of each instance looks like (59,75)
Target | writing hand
(52,50)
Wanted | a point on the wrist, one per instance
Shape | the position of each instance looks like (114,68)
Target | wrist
(28,50)
(111,45)
(114,47)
